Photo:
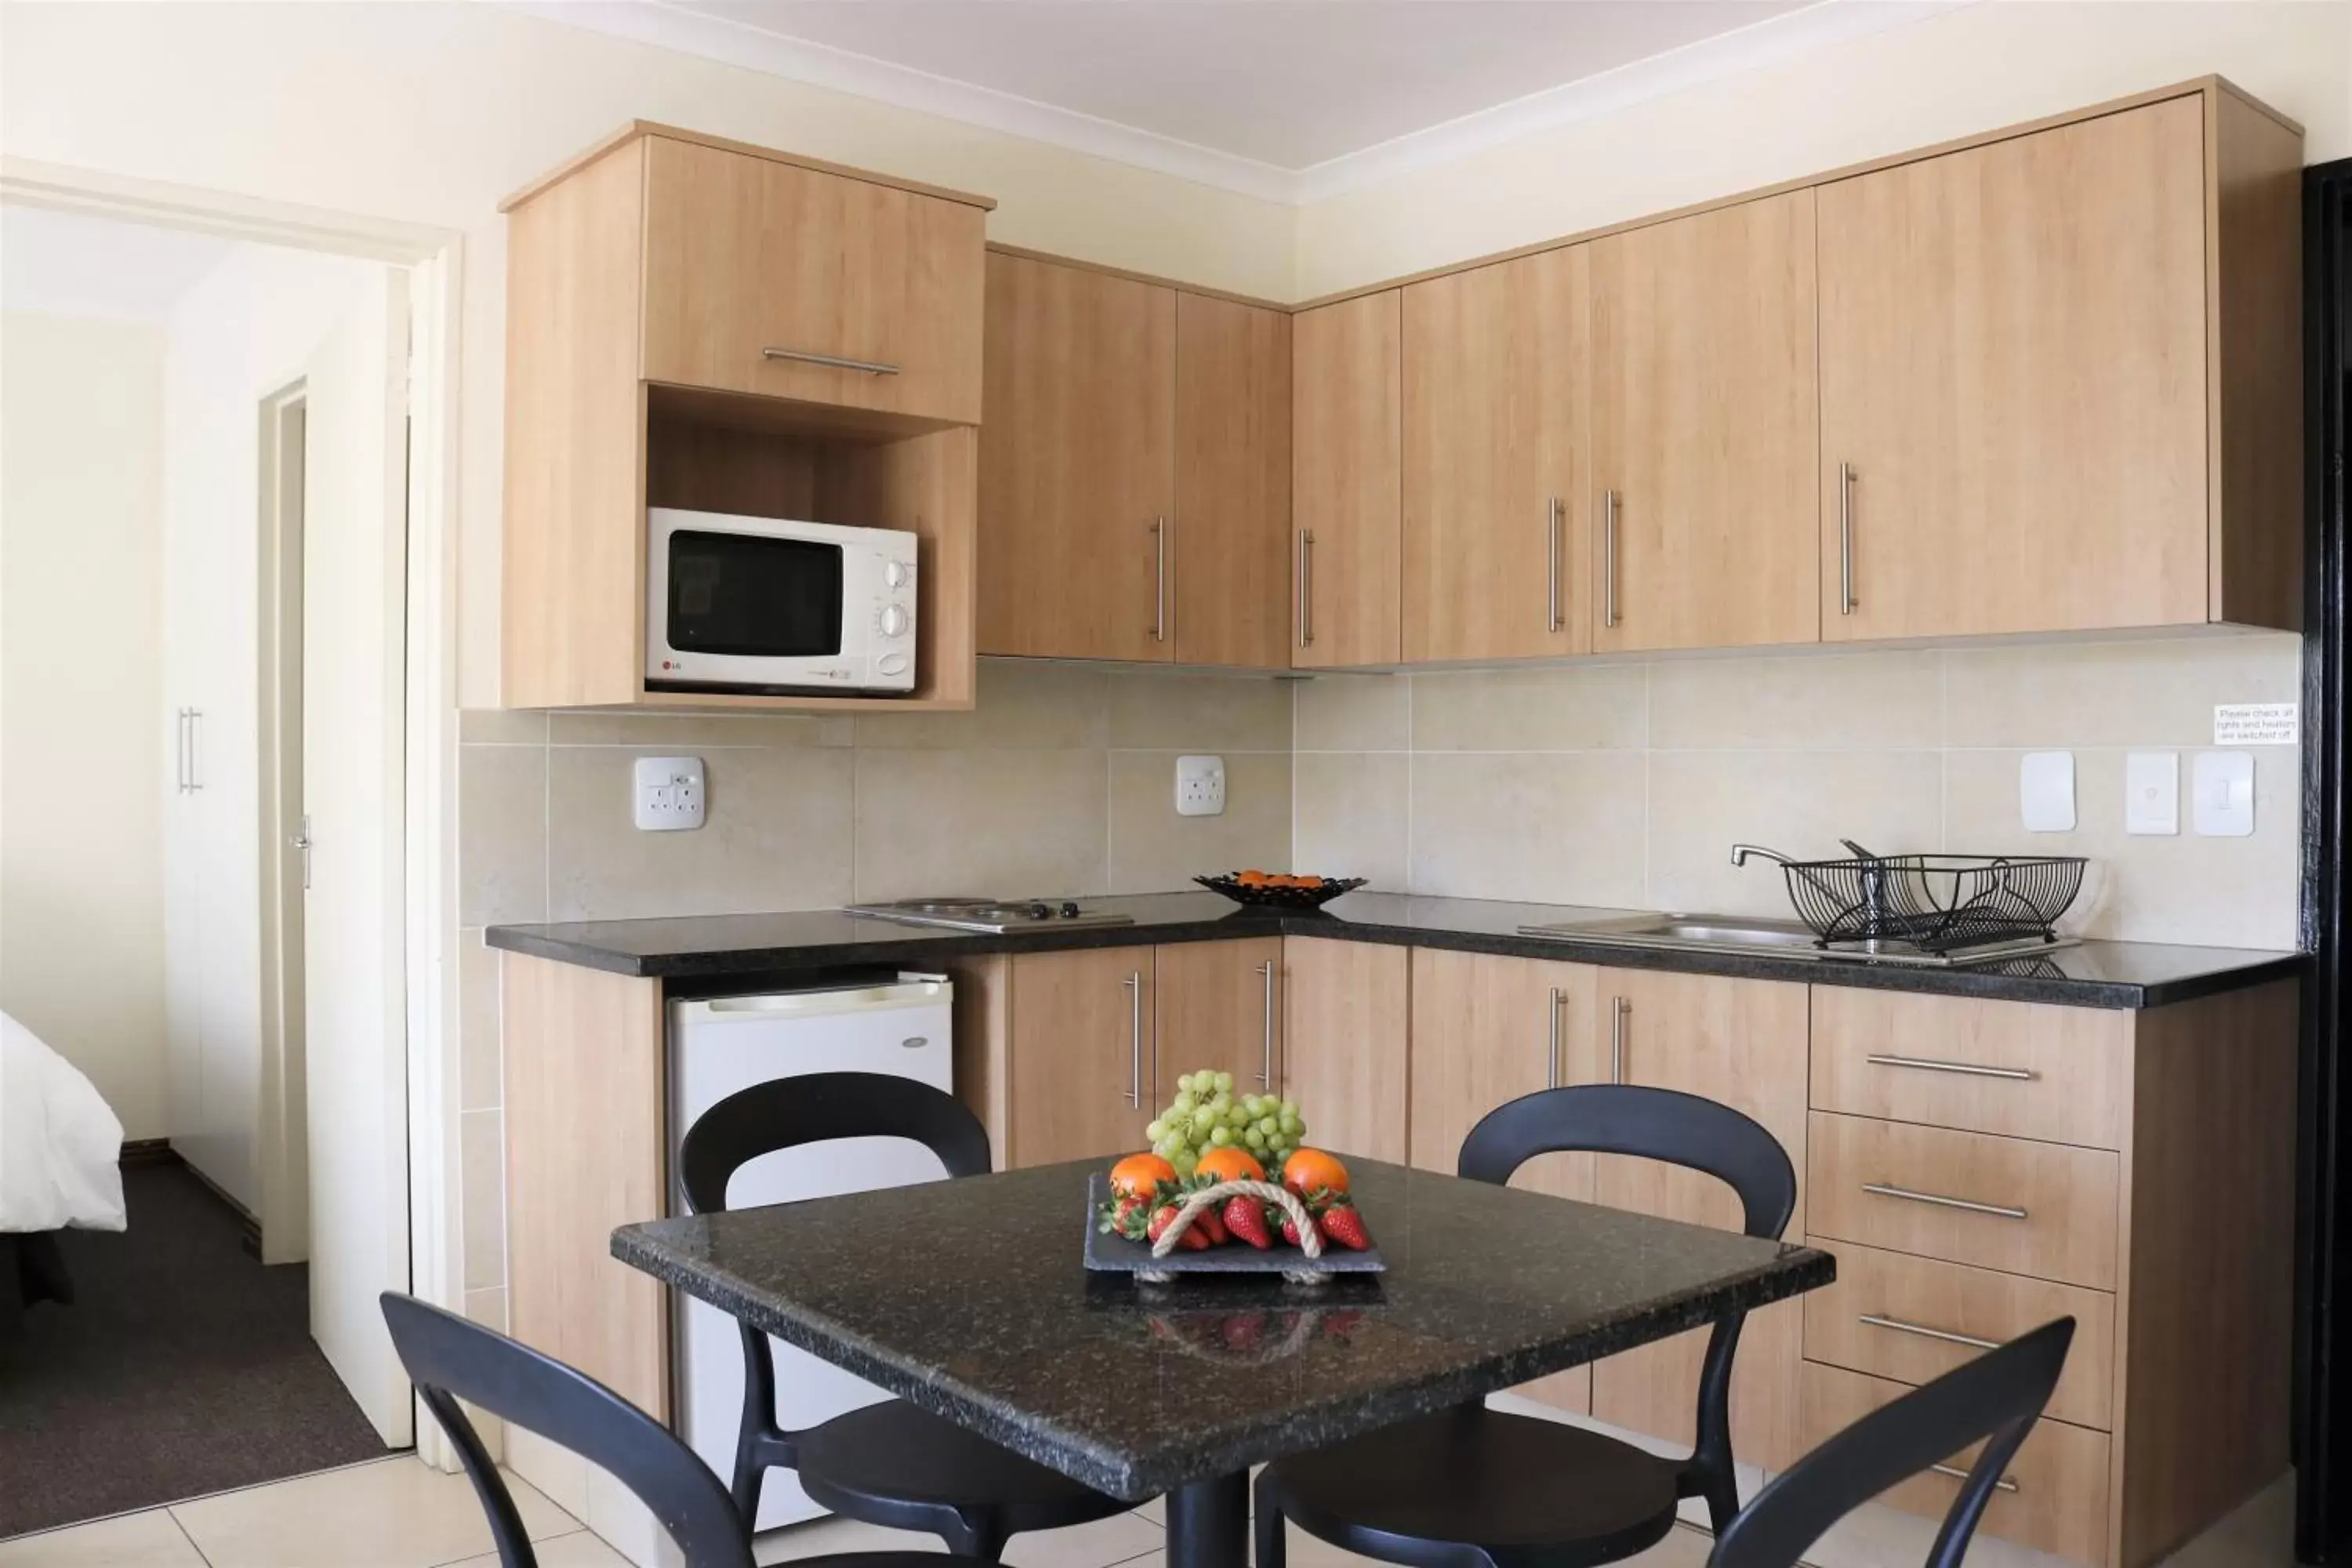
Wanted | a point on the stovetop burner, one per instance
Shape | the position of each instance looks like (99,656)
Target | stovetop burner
(994,915)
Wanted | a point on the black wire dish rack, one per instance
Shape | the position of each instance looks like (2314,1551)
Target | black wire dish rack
(1937,903)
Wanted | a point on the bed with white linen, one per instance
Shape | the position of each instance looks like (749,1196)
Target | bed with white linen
(60,1152)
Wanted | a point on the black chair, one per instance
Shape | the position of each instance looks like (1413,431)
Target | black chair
(1995,1398)
(451,1358)
(888,1463)
(1474,1488)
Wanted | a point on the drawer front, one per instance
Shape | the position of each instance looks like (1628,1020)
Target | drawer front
(2059,1074)
(2044,1209)
(1915,1318)
(2056,1501)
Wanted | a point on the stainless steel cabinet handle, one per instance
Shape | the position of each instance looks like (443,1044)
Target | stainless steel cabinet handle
(1551,1059)
(180,750)
(1305,587)
(1998,1211)
(1929,1064)
(1134,984)
(831,361)
(2006,1483)
(1873,1320)
(1552,549)
(1609,558)
(1618,1011)
(1160,578)
(302,841)
(1845,539)
(1266,1073)
(191,722)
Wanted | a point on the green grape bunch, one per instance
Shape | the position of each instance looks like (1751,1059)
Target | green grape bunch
(1206,1114)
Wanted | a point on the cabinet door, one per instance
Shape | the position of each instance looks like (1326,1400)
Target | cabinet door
(748,261)
(1704,425)
(1486,1030)
(1081,1054)
(1229,596)
(1347,401)
(1496,452)
(1343,1043)
(1077,463)
(1216,1005)
(1743,1043)
(2013,376)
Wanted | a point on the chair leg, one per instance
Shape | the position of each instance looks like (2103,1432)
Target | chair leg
(1722,1494)
(976,1535)
(744,1488)
(1268,1527)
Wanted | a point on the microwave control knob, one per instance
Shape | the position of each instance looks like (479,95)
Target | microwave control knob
(894,575)
(894,620)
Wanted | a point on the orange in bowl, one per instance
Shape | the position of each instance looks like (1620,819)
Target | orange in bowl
(1228,1163)
(1309,1171)
(1139,1176)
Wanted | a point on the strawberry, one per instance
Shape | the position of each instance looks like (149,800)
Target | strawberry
(1343,1224)
(1194,1238)
(1206,1222)
(1162,1218)
(1290,1231)
(1247,1220)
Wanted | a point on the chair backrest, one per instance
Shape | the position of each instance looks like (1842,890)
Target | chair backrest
(1654,1123)
(786,1113)
(1996,1397)
(451,1358)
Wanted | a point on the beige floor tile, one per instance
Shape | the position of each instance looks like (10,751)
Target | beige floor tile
(392,1514)
(580,1549)
(1095,1545)
(148,1540)
(823,1537)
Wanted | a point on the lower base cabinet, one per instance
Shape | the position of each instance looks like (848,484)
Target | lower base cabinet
(1343,1048)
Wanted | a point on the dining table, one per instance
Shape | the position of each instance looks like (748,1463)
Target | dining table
(970,1299)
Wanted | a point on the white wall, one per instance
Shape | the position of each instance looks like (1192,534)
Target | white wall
(430,113)
(1977,68)
(82,723)
(242,333)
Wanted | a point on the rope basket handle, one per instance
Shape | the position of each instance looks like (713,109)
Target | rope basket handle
(1310,1239)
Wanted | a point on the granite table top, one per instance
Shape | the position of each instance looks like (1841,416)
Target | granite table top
(968,1298)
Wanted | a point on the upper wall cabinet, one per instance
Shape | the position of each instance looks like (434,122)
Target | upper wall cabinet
(1704,430)
(1496,448)
(1347,402)
(702,324)
(2058,376)
(1135,469)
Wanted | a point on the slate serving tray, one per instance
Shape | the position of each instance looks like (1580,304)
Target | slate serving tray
(1116,1255)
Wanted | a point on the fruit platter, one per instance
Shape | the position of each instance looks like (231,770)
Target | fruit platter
(1229,1187)
(1279,889)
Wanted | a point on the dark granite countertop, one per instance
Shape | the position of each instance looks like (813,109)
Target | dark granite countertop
(718,951)
(968,1298)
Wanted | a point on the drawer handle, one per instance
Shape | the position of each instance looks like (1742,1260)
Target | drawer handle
(2006,1483)
(1929,1064)
(1925,1332)
(831,361)
(2001,1210)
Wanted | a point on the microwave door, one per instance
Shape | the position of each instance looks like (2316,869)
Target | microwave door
(736,595)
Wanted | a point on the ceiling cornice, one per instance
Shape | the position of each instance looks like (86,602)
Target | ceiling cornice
(1818,25)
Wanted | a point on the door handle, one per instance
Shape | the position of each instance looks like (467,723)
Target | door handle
(1619,1010)
(195,728)
(1931,1064)
(302,841)
(831,361)
(1998,1211)
(1551,552)
(1160,578)
(1134,984)
(180,750)
(1551,1057)
(1305,587)
(1845,539)
(1875,1321)
(2005,1484)
(1266,1073)
(1609,558)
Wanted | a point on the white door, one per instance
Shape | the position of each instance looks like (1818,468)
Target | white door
(354,571)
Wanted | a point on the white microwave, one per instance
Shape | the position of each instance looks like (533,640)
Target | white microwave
(756,604)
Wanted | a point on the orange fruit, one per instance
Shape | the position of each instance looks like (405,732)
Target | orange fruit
(1139,1176)
(1229,1164)
(1253,878)
(1311,1170)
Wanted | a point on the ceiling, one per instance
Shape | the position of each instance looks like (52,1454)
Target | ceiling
(69,264)
(1292,99)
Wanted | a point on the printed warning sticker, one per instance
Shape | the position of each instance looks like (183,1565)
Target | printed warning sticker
(2256,723)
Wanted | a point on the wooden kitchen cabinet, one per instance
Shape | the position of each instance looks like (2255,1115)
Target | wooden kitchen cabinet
(1344,1042)
(1742,1043)
(1077,463)
(1078,1052)
(758,271)
(1229,571)
(1345,492)
(1216,1004)
(1705,430)
(2021,426)
(1496,503)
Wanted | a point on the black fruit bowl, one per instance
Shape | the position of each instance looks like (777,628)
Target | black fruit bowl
(1242,892)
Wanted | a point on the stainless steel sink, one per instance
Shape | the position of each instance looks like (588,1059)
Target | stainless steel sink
(1784,939)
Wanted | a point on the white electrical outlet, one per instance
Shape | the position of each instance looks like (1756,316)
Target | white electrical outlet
(668,793)
(1200,786)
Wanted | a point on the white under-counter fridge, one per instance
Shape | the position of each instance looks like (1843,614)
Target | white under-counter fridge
(719,1044)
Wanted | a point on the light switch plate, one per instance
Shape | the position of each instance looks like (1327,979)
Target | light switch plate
(2152,791)
(1200,786)
(668,795)
(2224,793)
(2045,791)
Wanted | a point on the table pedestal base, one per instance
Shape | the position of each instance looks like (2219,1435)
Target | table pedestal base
(1208,1524)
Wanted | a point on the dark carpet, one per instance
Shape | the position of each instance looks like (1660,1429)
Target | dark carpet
(182,1367)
